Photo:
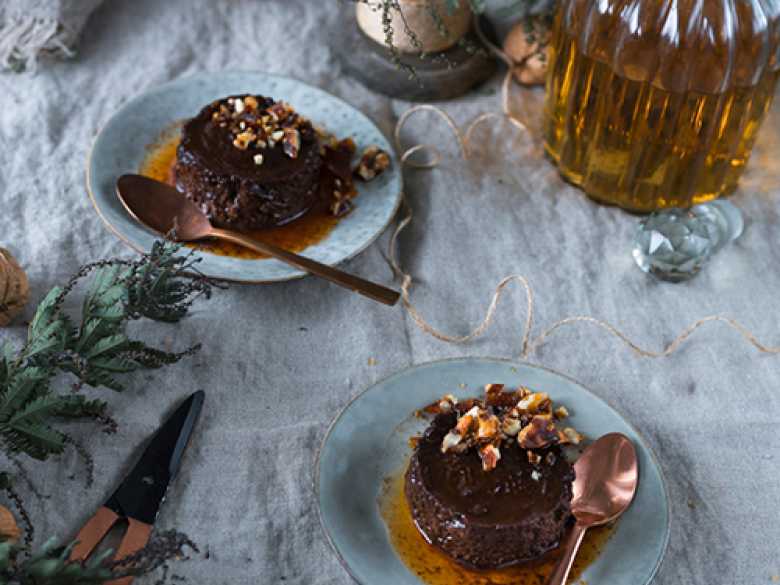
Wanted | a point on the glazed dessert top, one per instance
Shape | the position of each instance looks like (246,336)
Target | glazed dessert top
(499,458)
(513,492)
(249,136)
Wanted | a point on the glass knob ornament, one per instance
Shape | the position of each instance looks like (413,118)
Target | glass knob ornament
(674,244)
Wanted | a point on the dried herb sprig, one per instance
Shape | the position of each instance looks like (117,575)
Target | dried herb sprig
(388,6)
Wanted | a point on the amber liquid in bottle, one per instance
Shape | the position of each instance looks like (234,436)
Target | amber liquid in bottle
(636,145)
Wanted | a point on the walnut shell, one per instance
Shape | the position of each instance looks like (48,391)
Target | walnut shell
(9,529)
(526,44)
(14,288)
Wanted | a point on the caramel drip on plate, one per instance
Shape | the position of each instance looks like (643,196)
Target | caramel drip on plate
(296,236)
(435,568)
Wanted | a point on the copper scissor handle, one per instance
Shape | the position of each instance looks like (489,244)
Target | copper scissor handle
(97,527)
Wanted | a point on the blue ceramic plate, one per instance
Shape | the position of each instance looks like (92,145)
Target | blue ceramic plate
(122,144)
(368,441)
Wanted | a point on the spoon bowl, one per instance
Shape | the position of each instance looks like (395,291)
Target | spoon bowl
(607,475)
(162,208)
(168,212)
(606,478)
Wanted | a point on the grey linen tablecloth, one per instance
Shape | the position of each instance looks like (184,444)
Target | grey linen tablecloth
(280,361)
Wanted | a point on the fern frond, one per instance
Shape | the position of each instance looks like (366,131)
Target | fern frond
(158,286)
(25,385)
(37,410)
(38,440)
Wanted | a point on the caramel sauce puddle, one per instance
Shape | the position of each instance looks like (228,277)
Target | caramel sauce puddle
(435,568)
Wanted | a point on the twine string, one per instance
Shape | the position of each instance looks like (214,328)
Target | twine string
(528,345)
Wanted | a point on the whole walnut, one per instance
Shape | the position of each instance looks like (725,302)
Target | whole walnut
(526,44)
(14,288)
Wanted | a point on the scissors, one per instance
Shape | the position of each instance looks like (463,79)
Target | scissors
(139,496)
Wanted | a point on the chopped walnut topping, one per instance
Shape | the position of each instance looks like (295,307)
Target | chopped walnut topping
(279,111)
(260,126)
(492,391)
(510,426)
(462,433)
(244,139)
(291,143)
(539,433)
(488,426)
(521,415)
(571,436)
(373,162)
(490,455)
(453,442)
(533,402)
(468,421)
(447,402)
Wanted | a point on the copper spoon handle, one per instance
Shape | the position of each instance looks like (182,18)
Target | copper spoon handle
(364,287)
(570,548)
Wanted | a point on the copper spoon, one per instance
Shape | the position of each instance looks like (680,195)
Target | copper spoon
(167,211)
(607,474)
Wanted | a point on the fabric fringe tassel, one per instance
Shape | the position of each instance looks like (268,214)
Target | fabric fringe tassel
(23,40)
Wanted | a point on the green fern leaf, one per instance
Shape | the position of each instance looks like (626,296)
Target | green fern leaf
(51,339)
(114,365)
(77,406)
(26,385)
(37,440)
(152,358)
(97,378)
(45,313)
(37,410)
(92,332)
(110,305)
(107,345)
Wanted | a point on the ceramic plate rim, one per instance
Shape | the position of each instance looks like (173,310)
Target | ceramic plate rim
(508,361)
(285,278)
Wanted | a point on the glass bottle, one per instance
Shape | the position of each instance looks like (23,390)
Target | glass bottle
(656,103)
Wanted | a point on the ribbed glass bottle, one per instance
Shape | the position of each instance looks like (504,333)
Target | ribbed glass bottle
(656,103)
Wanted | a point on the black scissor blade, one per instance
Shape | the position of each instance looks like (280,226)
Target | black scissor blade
(143,489)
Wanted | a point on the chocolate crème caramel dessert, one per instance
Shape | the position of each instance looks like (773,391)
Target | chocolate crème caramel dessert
(252,163)
(488,483)
(249,163)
